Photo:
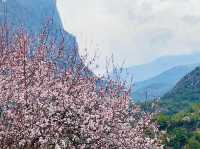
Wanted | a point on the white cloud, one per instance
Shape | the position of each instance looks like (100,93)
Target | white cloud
(134,30)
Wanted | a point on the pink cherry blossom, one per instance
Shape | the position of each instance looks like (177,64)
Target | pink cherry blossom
(40,108)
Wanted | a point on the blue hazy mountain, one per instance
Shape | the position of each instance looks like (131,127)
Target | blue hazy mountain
(32,15)
(160,84)
(158,66)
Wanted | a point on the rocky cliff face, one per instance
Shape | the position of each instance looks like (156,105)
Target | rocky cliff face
(32,14)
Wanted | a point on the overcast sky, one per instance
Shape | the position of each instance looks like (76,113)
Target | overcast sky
(136,31)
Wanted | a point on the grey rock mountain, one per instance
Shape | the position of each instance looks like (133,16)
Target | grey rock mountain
(32,15)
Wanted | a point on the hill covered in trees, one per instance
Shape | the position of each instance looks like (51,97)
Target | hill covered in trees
(179,121)
(185,93)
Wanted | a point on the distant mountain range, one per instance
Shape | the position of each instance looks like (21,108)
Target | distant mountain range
(159,85)
(147,71)
(154,79)
(185,93)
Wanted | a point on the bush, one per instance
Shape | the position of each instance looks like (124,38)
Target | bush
(178,137)
(182,129)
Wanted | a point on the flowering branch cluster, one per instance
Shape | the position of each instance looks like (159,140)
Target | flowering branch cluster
(41,108)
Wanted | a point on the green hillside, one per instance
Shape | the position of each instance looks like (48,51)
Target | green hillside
(179,122)
(185,93)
